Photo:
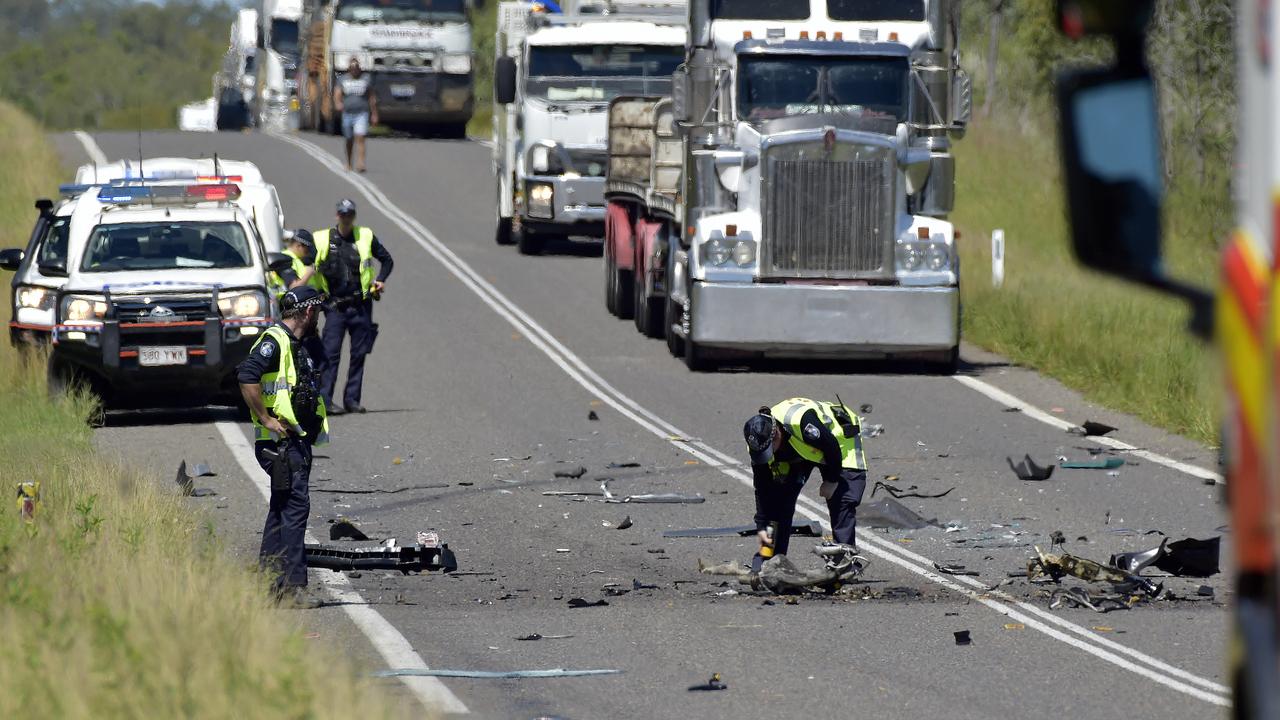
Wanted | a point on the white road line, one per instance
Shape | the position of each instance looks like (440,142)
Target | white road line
(1154,669)
(1035,413)
(394,648)
(91,148)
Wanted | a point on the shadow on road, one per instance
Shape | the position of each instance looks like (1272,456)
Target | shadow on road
(193,416)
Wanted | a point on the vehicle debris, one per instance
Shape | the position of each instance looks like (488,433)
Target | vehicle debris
(28,500)
(185,481)
(715,683)
(663,498)
(1134,562)
(576,603)
(870,431)
(574,473)
(954,570)
(804,528)
(385,557)
(910,492)
(492,675)
(591,415)
(626,523)
(1027,469)
(962,637)
(1100,603)
(202,470)
(386,491)
(620,465)
(779,574)
(1055,566)
(1092,429)
(344,529)
(1191,558)
(1105,464)
(864,409)
(637,585)
(538,636)
(1205,591)
(889,513)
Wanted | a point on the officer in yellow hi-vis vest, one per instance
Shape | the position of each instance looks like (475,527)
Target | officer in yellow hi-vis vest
(300,246)
(786,442)
(278,382)
(345,255)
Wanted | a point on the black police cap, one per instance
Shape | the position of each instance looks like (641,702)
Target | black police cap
(301,297)
(759,436)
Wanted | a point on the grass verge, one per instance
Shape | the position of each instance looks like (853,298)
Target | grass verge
(1121,346)
(117,601)
(484,24)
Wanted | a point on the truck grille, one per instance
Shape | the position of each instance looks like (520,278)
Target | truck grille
(828,214)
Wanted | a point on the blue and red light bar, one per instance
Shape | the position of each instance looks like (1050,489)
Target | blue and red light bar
(168,194)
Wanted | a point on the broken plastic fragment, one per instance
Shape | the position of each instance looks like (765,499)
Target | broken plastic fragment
(1134,562)
(715,683)
(575,603)
(184,480)
(201,470)
(626,523)
(1104,464)
(574,473)
(1027,469)
(344,529)
(954,570)
(909,492)
(1096,428)
(591,415)
(962,637)
(1191,558)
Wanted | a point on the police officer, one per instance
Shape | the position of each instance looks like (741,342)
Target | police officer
(786,443)
(345,255)
(301,249)
(278,383)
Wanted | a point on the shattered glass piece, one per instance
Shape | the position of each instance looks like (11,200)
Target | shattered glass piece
(1027,469)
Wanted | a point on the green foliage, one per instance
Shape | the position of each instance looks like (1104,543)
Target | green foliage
(110,64)
(484,26)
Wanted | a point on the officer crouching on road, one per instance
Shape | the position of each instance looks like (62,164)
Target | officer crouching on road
(278,382)
(345,255)
(786,443)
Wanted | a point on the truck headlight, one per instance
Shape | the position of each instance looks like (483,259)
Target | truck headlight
(744,253)
(457,64)
(937,257)
(241,305)
(83,308)
(908,256)
(540,197)
(716,251)
(923,256)
(34,297)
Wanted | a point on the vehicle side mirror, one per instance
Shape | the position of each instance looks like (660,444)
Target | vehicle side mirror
(504,80)
(11,258)
(680,95)
(54,268)
(45,206)
(279,261)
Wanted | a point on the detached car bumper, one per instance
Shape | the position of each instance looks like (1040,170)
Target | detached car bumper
(826,320)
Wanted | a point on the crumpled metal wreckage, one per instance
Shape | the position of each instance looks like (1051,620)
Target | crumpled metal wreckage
(420,557)
(780,575)
(1057,565)
(1184,558)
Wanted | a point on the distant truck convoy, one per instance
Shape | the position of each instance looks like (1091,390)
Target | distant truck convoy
(235,83)
(419,52)
(278,51)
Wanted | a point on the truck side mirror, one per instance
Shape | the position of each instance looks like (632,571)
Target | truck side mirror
(504,80)
(10,259)
(680,95)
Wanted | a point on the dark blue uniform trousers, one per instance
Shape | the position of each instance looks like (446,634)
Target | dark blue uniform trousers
(842,507)
(284,535)
(357,320)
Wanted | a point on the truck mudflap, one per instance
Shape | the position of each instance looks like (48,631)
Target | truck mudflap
(809,320)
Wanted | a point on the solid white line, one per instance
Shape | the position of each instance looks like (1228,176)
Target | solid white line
(588,379)
(1035,413)
(96,156)
(394,648)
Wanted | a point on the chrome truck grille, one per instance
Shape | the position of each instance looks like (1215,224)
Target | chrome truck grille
(828,213)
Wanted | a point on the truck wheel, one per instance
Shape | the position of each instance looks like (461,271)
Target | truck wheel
(673,314)
(624,301)
(528,243)
(455,131)
(610,299)
(695,358)
(649,311)
(502,232)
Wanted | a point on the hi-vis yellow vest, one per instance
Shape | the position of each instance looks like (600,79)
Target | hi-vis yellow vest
(279,287)
(789,412)
(364,247)
(277,392)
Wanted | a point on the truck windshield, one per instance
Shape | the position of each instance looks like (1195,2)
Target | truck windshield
(598,73)
(166,246)
(284,37)
(774,87)
(382,11)
(760,10)
(876,10)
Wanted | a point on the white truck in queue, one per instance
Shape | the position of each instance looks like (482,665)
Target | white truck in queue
(554,77)
(419,52)
(235,84)
(278,48)
(149,291)
(787,199)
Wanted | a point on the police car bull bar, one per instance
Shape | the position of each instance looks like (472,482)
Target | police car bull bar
(211,326)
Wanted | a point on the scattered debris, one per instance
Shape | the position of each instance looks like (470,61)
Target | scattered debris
(563,550)
(870,431)
(344,529)
(778,574)
(591,415)
(1096,429)
(385,556)
(1057,538)
(28,500)
(889,513)
(908,493)
(202,470)
(538,636)
(962,637)
(1104,464)
(954,570)
(1029,470)
(663,498)
(1015,626)
(626,523)
(575,603)
(387,491)
(1191,558)
(806,528)
(1057,565)
(184,480)
(492,675)
(574,473)
(1205,591)
(619,465)
(715,683)
(1134,562)
(1012,410)
(864,409)
(1100,603)
(637,585)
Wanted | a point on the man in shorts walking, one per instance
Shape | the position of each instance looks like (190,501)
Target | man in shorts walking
(354,96)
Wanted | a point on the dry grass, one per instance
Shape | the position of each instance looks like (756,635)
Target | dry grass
(118,602)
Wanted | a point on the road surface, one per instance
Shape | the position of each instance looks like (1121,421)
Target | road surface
(486,369)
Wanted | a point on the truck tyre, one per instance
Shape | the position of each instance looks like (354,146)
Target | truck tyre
(649,311)
(610,299)
(673,315)
(455,131)
(695,358)
(528,243)
(624,301)
(502,230)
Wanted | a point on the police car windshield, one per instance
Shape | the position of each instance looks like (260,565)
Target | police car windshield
(381,11)
(166,246)
(599,73)
(774,86)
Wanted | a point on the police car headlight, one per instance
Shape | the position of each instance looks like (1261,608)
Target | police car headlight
(540,198)
(242,305)
(458,64)
(83,308)
(33,297)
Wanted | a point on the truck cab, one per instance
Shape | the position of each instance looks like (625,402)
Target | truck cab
(164,291)
(278,49)
(235,84)
(550,134)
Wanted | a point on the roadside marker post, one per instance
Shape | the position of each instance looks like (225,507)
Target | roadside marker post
(997,258)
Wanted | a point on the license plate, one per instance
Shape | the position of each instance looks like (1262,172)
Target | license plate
(153,356)
(403,92)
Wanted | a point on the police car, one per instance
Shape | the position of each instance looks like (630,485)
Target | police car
(163,291)
(34,292)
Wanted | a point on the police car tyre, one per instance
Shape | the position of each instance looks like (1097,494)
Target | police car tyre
(529,243)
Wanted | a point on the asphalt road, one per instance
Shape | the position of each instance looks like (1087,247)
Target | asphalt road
(485,372)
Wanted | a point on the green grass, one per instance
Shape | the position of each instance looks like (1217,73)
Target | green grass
(484,21)
(118,601)
(1124,347)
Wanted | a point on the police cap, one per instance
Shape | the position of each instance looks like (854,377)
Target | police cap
(301,298)
(759,435)
(302,237)
(346,206)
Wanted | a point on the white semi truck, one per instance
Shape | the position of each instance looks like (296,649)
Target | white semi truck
(278,37)
(235,82)
(419,52)
(554,77)
(787,199)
